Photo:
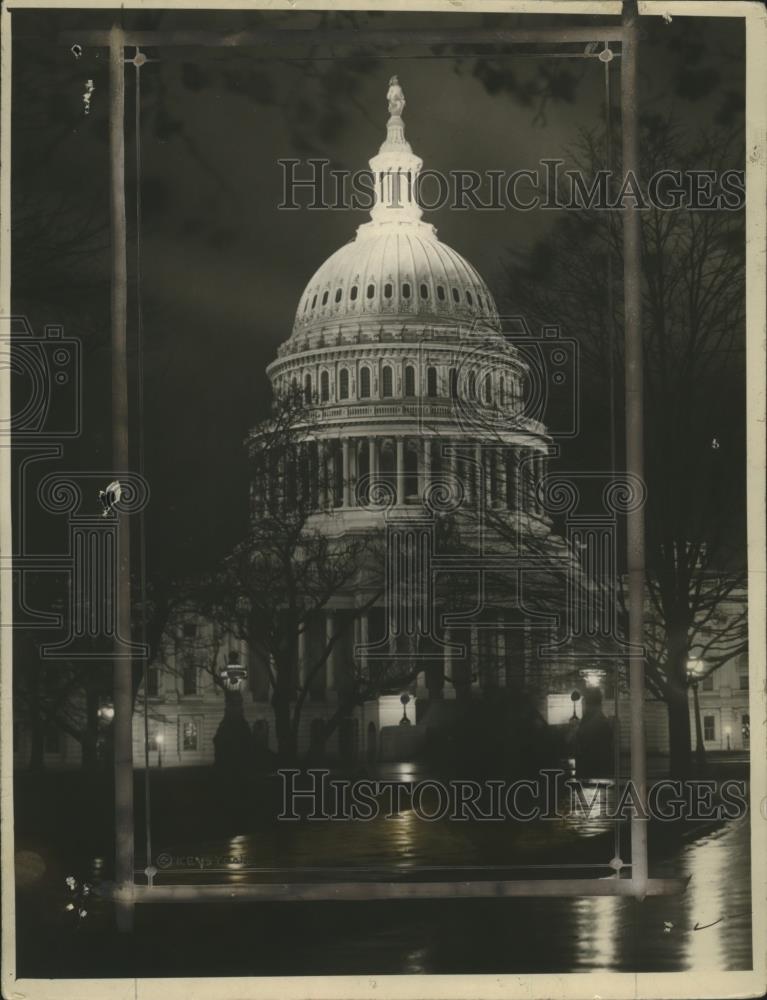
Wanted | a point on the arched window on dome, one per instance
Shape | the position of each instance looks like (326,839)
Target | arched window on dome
(456,295)
(343,383)
(314,302)
(388,290)
(324,387)
(364,382)
(353,293)
(471,385)
(431,381)
(387,382)
(307,388)
(488,388)
(469,299)
(424,290)
(306,303)
(479,301)
(339,293)
(406,290)
(441,293)
(409,380)
(454,383)
(325,298)
(371,291)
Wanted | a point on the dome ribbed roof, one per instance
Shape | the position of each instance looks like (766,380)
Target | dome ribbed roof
(400,271)
(396,267)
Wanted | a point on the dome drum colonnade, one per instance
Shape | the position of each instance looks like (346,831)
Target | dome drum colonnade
(398,356)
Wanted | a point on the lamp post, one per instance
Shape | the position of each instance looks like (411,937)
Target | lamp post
(695,670)
(160,739)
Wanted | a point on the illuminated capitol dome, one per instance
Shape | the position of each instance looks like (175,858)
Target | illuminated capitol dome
(408,391)
(398,342)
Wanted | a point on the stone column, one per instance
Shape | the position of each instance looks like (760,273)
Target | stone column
(400,471)
(503,485)
(475,664)
(331,477)
(424,468)
(346,473)
(330,663)
(322,475)
(364,640)
(519,486)
(449,688)
(478,474)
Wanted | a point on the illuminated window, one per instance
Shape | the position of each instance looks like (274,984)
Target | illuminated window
(409,381)
(343,383)
(709,728)
(388,387)
(190,734)
(364,383)
(431,381)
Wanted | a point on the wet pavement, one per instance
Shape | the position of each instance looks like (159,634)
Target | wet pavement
(706,927)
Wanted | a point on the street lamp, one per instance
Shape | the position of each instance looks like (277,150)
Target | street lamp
(404,700)
(159,740)
(695,670)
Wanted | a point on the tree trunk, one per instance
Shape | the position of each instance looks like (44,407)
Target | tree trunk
(677,703)
(286,735)
(680,758)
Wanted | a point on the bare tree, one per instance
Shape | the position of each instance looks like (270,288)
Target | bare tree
(693,314)
(290,568)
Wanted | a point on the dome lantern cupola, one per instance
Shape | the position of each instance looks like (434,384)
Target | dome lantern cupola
(395,168)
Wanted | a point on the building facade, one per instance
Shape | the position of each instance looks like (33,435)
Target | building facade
(418,405)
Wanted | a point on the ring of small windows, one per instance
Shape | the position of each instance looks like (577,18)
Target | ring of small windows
(310,304)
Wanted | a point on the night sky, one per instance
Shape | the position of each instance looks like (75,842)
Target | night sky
(222,267)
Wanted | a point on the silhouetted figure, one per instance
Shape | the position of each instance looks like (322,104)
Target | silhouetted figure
(594,739)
